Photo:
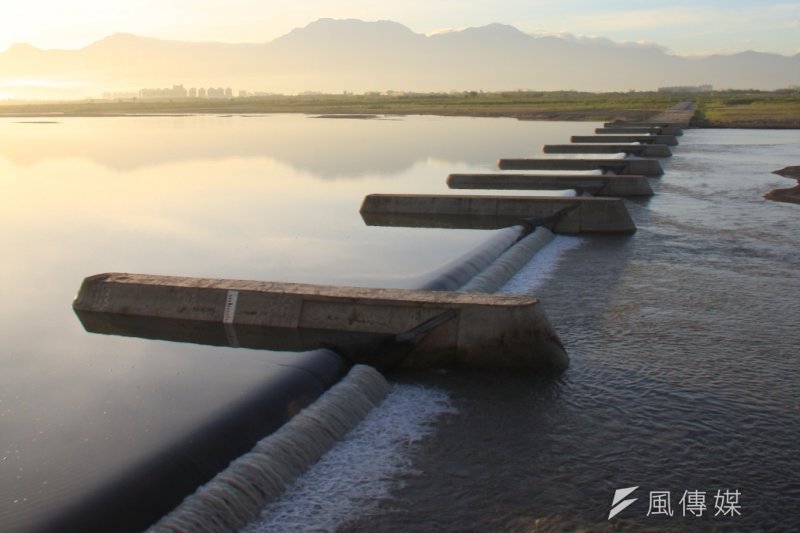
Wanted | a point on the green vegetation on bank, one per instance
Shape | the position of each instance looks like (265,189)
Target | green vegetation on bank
(716,109)
(748,109)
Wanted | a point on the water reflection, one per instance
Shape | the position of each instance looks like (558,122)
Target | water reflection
(265,198)
(217,334)
(324,149)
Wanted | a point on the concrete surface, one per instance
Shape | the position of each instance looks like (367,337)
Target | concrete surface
(606,185)
(667,128)
(669,140)
(624,129)
(641,150)
(501,332)
(590,215)
(643,167)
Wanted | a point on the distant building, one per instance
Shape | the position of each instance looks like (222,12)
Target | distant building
(215,92)
(177,91)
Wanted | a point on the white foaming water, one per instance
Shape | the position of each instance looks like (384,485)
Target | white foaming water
(531,192)
(357,472)
(541,267)
(617,155)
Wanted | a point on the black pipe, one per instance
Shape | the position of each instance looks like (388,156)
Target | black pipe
(142,494)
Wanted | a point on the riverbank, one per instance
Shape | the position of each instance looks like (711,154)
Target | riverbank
(723,109)
(790,195)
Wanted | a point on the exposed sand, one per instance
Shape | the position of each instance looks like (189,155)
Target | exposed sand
(792,194)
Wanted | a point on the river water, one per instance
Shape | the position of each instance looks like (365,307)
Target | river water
(242,197)
(684,377)
(682,337)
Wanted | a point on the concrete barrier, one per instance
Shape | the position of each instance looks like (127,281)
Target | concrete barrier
(499,332)
(641,150)
(652,123)
(667,128)
(587,215)
(637,167)
(606,185)
(669,140)
(629,130)
(254,337)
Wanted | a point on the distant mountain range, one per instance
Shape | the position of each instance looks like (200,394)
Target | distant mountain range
(352,55)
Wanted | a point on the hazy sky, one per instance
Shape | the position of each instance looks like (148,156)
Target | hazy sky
(682,26)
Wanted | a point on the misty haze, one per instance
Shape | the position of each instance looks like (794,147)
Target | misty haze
(334,56)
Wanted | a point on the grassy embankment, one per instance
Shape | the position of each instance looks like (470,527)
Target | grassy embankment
(748,109)
(716,109)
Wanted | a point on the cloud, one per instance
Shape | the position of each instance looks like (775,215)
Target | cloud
(641,19)
(442,31)
(600,41)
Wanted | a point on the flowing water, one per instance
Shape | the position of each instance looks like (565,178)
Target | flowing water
(684,377)
(682,337)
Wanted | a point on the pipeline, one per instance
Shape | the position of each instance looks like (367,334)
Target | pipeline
(504,267)
(236,496)
(143,492)
(459,271)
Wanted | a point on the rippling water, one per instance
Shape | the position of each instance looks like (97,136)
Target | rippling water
(685,358)
(682,337)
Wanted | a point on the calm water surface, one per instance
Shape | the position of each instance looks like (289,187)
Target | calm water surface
(266,197)
(685,361)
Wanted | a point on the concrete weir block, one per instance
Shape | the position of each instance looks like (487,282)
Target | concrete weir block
(641,150)
(487,331)
(606,185)
(666,128)
(587,215)
(669,140)
(628,130)
(638,167)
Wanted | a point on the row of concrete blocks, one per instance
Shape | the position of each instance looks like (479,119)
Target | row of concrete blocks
(570,215)
(475,331)
(641,139)
(621,177)
(480,332)
(483,331)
